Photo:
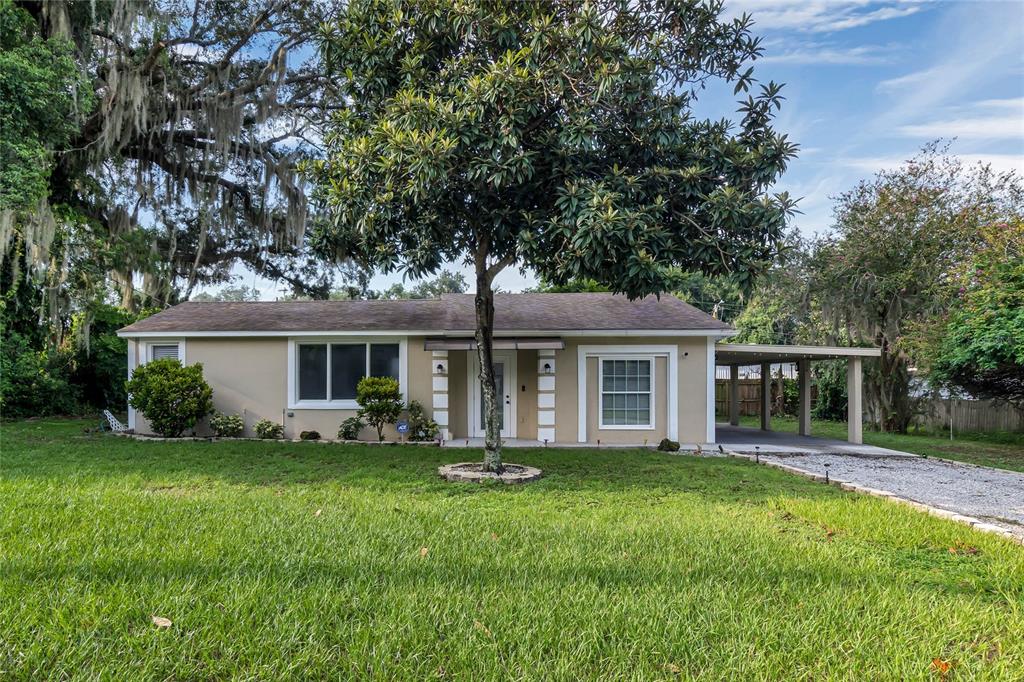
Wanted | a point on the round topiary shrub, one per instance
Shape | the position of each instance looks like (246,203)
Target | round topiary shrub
(171,397)
(309,435)
(227,425)
(380,402)
(265,428)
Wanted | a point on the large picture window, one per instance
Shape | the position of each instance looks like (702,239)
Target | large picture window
(327,373)
(626,393)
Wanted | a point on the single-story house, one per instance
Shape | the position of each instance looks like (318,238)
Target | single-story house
(571,368)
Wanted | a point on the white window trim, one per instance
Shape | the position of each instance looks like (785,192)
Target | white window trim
(146,349)
(293,369)
(670,352)
(650,426)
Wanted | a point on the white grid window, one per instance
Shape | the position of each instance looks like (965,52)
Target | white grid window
(626,393)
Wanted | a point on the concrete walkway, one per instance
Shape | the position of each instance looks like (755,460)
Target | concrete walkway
(995,496)
(746,439)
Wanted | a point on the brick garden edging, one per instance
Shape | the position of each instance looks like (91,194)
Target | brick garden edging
(972,521)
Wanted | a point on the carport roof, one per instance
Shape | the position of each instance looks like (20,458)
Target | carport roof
(755,353)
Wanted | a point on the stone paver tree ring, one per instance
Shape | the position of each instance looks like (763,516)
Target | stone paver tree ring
(473,472)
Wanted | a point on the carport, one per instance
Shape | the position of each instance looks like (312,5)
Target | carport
(737,355)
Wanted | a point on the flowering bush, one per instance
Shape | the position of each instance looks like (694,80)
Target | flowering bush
(265,428)
(227,425)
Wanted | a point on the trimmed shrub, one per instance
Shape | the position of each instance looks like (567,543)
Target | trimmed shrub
(380,402)
(667,445)
(171,397)
(350,428)
(420,426)
(227,425)
(309,435)
(267,429)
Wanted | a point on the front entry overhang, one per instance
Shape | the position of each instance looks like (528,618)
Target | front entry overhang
(504,343)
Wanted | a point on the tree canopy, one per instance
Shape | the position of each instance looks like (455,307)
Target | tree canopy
(173,129)
(979,345)
(555,135)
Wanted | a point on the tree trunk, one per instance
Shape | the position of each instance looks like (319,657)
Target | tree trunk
(896,407)
(484,303)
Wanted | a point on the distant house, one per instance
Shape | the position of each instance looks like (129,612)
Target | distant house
(571,368)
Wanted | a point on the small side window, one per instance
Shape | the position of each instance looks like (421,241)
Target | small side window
(161,351)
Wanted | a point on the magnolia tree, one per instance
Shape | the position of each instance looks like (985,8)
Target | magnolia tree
(555,136)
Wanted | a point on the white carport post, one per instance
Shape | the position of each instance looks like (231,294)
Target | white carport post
(766,396)
(854,398)
(804,411)
(734,395)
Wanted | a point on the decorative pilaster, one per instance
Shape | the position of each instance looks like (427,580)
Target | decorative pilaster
(546,396)
(439,370)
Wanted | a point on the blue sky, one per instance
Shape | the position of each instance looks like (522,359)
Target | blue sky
(867,83)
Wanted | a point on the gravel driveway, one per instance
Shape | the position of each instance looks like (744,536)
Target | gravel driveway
(993,495)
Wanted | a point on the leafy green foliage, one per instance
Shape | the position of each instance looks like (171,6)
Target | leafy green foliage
(268,430)
(830,378)
(173,398)
(446,282)
(100,356)
(981,344)
(227,425)
(380,402)
(898,240)
(350,428)
(309,435)
(35,383)
(421,427)
(43,98)
(556,136)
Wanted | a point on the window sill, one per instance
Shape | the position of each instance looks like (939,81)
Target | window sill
(625,427)
(324,405)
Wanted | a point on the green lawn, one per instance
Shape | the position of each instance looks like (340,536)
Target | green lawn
(1001,450)
(281,560)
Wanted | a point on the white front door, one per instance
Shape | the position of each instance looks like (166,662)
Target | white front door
(505,387)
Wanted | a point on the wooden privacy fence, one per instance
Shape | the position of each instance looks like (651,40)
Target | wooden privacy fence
(750,397)
(970,415)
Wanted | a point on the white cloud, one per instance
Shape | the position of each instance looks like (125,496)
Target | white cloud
(990,119)
(873,164)
(980,48)
(815,53)
(978,128)
(821,16)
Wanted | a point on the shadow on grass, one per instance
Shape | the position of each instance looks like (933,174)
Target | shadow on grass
(62,450)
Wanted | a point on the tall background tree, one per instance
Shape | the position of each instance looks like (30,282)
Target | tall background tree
(171,146)
(555,135)
(978,345)
(897,240)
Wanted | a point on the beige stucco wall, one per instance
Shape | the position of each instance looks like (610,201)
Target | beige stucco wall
(692,393)
(249,377)
(628,436)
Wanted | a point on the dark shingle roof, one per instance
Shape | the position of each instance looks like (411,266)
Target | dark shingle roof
(451,313)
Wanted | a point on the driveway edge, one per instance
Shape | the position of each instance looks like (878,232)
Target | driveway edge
(972,521)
